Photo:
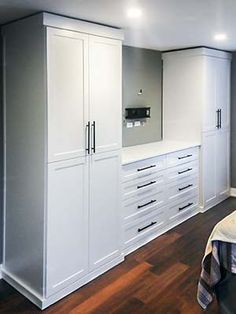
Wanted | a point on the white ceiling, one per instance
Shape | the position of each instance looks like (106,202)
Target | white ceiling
(165,24)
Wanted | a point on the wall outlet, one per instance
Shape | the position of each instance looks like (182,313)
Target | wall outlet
(129,124)
(137,123)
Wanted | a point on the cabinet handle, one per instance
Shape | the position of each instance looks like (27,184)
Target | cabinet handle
(94,137)
(189,169)
(183,157)
(149,203)
(148,226)
(88,137)
(142,186)
(145,168)
(185,187)
(189,204)
(220,118)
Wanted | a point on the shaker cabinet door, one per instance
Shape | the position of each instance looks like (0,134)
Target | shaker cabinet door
(105,83)
(67,70)
(105,209)
(67,223)
(222,163)
(209,168)
(223,91)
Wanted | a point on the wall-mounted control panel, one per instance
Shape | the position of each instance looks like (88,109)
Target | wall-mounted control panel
(137,113)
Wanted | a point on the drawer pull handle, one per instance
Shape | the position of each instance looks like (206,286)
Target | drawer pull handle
(185,187)
(189,204)
(149,203)
(145,168)
(183,157)
(142,186)
(148,226)
(187,170)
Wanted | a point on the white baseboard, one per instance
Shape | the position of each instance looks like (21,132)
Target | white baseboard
(233,192)
(0,271)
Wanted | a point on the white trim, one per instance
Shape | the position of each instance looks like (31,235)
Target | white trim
(233,192)
(74,24)
(0,271)
(41,302)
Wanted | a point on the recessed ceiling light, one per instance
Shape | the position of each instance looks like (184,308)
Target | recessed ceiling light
(134,12)
(220,36)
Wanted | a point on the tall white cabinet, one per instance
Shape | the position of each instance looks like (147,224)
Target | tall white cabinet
(62,154)
(196,107)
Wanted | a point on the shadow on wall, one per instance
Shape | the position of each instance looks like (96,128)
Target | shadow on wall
(142,69)
(233,121)
(1,150)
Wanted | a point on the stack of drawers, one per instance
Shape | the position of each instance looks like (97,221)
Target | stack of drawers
(182,185)
(158,193)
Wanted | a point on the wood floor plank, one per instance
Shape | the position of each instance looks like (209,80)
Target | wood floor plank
(159,278)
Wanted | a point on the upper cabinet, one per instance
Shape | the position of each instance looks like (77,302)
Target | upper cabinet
(84,85)
(67,71)
(216,109)
(196,92)
(105,83)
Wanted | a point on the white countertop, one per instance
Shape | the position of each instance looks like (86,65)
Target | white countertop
(135,153)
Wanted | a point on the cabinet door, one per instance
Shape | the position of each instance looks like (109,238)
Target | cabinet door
(67,223)
(67,70)
(209,109)
(222,163)
(105,92)
(209,168)
(105,209)
(223,90)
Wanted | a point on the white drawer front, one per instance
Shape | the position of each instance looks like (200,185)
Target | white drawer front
(140,188)
(141,228)
(182,209)
(182,171)
(182,156)
(143,168)
(135,208)
(181,187)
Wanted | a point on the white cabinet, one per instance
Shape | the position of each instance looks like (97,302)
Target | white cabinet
(204,113)
(105,83)
(215,167)
(67,68)
(157,194)
(222,163)
(67,223)
(105,205)
(64,130)
(209,144)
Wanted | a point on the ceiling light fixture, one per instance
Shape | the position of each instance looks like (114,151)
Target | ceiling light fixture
(220,37)
(134,12)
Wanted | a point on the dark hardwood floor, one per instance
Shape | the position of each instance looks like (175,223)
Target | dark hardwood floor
(160,277)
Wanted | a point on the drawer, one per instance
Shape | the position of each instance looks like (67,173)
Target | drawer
(181,187)
(136,208)
(183,156)
(182,171)
(179,211)
(144,186)
(143,168)
(143,227)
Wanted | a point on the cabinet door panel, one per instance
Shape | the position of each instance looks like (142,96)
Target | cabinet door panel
(223,90)
(209,168)
(67,66)
(222,163)
(209,109)
(105,91)
(67,226)
(105,209)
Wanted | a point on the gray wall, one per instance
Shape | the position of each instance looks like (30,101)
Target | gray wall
(142,69)
(1,152)
(233,122)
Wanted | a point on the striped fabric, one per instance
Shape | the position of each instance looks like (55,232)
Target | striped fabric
(223,255)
